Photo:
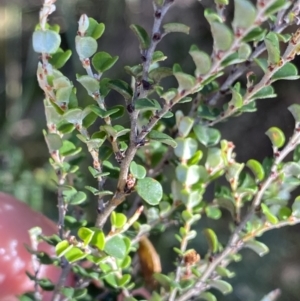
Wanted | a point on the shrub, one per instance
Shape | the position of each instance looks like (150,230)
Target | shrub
(133,158)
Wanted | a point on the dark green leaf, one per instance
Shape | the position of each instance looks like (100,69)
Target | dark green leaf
(121,87)
(46,284)
(89,120)
(142,35)
(265,92)
(288,72)
(276,6)
(95,29)
(59,59)
(256,34)
(103,61)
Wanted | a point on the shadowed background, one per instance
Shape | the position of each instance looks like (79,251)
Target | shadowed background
(24,168)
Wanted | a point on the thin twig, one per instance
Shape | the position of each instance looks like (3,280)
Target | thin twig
(135,140)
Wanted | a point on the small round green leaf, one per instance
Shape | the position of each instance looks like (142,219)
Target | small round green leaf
(75,254)
(138,171)
(284,213)
(222,36)
(270,217)
(287,72)
(276,136)
(188,174)
(142,35)
(77,199)
(244,14)
(207,296)
(85,46)
(272,45)
(95,29)
(120,220)
(212,240)
(149,190)
(103,61)
(201,59)
(143,104)
(186,148)
(124,280)
(185,81)
(115,247)
(257,246)
(295,110)
(89,83)
(121,87)
(46,41)
(207,136)
(62,247)
(162,137)
(59,59)
(85,234)
(185,125)
(296,207)
(176,27)
(98,239)
(54,142)
(221,285)
(213,212)
(256,168)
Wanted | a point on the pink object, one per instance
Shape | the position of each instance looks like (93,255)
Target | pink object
(16,218)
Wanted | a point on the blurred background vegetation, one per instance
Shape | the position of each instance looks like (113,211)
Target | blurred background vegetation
(24,168)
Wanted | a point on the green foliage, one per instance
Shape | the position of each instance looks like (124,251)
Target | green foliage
(174,125)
